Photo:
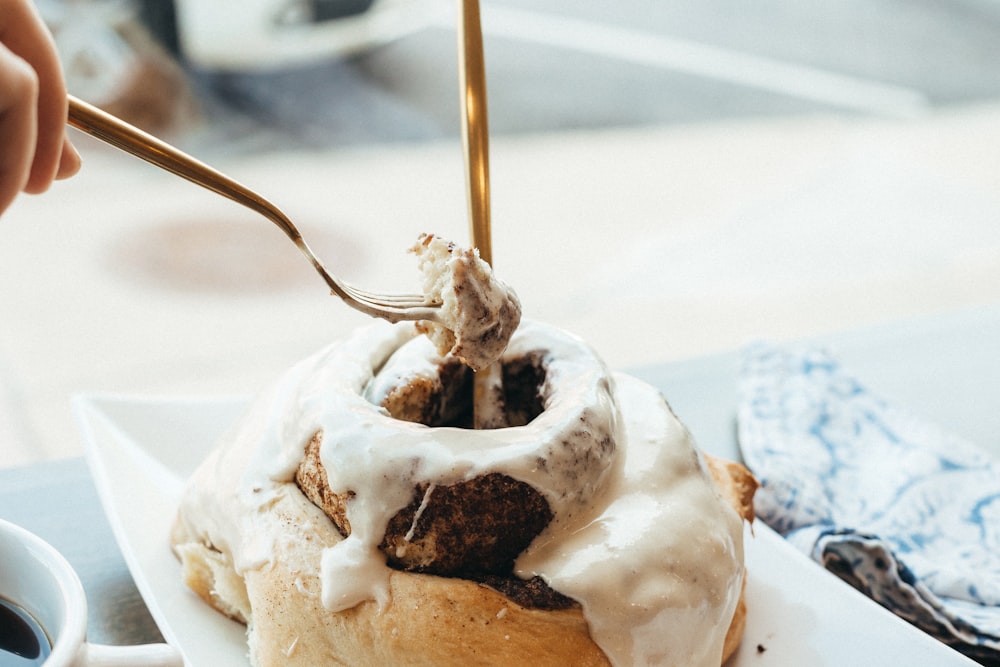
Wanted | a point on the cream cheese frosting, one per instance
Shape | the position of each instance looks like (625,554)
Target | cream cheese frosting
(479,312)
(641,537)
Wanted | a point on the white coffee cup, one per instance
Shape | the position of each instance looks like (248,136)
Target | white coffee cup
(36,577)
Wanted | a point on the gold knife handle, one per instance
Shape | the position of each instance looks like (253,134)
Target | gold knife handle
(475,125)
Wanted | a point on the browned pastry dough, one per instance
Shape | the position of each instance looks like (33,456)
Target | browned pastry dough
(478,526)
(444,400)
(429,620)
(737,484)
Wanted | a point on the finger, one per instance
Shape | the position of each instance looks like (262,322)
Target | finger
(18,130)
(25,34)
(69,161)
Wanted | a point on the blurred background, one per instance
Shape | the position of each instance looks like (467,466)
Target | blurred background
(669,180)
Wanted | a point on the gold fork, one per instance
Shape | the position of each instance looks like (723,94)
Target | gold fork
(475,125)
(476,145)
(118,133)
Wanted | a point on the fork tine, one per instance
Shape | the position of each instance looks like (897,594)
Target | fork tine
(394,301)
(389,298)
(397,300)
(395,312)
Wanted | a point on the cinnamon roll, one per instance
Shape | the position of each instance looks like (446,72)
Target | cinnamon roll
(353,517)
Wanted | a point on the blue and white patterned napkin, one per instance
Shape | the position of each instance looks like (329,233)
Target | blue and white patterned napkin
(905,512)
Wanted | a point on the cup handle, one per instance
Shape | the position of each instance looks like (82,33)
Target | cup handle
(144,655)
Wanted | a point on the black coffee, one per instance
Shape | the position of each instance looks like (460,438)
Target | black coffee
(23,643)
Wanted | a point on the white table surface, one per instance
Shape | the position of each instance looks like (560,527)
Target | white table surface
(654,244)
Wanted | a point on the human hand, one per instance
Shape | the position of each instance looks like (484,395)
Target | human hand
(34,148)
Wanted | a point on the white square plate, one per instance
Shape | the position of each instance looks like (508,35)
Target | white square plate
(142,450)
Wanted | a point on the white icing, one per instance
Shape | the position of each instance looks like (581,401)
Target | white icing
(479,312)
(657,564)
(641,537)
(416,359)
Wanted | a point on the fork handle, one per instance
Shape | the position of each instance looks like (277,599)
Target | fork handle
(116,132)
(120,134)
(475,125)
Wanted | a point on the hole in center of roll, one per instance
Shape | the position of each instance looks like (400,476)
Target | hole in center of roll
(514,399)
